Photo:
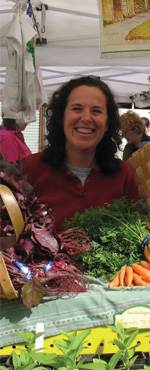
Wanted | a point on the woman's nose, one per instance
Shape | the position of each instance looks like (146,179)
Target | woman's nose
(86,116)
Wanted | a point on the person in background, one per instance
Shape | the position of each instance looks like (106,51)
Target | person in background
(78,168)
(147,125)
(132,127)
(12,144)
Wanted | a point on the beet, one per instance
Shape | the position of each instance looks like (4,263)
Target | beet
(39,243)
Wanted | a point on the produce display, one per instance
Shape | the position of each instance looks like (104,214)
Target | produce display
(119,238)
(41,262)
(110,243)
(132,275)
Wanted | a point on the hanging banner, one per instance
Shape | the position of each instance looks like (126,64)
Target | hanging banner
(124,28)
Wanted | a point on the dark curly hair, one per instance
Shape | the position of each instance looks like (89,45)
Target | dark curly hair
(55,153)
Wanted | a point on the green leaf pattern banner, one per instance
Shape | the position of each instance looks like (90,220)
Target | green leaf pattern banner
(124,28)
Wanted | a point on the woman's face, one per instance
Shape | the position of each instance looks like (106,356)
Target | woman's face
(85,118)
(21,127)
(132,137)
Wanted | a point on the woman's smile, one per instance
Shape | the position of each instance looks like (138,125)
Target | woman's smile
(84,130)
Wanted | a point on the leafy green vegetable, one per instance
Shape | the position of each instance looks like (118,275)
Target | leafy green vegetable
(32,292)
(71,348)
(116,234)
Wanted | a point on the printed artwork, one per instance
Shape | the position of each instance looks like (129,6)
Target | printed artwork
(124,28)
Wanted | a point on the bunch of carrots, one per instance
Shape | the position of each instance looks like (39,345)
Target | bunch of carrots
(136,274)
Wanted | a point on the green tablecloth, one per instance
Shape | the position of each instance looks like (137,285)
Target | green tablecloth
(94,308)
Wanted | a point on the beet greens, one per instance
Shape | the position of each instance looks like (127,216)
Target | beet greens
(39,243)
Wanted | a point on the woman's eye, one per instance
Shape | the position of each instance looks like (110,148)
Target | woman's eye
(97,111)
(77,109)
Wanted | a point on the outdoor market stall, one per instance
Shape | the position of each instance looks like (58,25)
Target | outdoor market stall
(95,306)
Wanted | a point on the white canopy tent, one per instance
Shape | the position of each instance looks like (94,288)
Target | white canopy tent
(72,36)
(124,81)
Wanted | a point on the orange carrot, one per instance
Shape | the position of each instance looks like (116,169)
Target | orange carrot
(114,282)
(145,280)
(122,275)
(148,246)
(147,254)
(142,271)
(128,276)
(138,280)
(132,284)
(145,264)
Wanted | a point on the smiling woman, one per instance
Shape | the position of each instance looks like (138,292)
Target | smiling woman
(78,168)
(85,124)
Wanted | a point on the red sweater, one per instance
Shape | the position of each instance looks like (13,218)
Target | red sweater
(66,194)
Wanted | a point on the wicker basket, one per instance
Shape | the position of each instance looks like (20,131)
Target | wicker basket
(140,164)
(6,287)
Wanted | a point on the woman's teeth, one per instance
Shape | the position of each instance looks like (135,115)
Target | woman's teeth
(84,130)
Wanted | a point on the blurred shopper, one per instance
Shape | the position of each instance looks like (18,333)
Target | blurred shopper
(12,143)
(133,127)
(147,125)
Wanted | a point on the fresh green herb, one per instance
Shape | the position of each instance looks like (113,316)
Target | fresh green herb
(116,234)
(24,360)
(71,347)
(125,338)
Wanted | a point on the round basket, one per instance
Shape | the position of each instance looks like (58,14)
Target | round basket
(140,164)
(6,287)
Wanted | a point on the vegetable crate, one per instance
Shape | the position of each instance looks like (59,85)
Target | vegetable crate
(98,342)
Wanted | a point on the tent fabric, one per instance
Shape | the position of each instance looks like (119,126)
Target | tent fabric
(73,43)
(73,34)
(125,82)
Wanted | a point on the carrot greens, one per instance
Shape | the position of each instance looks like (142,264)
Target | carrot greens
(116,234)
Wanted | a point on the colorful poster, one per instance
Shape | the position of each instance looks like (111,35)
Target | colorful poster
(124,28)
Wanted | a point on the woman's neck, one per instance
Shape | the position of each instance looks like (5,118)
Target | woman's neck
(82,160)
(137,142)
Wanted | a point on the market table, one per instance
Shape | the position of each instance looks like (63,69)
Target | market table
(93,309)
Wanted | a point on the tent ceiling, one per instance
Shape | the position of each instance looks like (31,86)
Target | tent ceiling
(124,81)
